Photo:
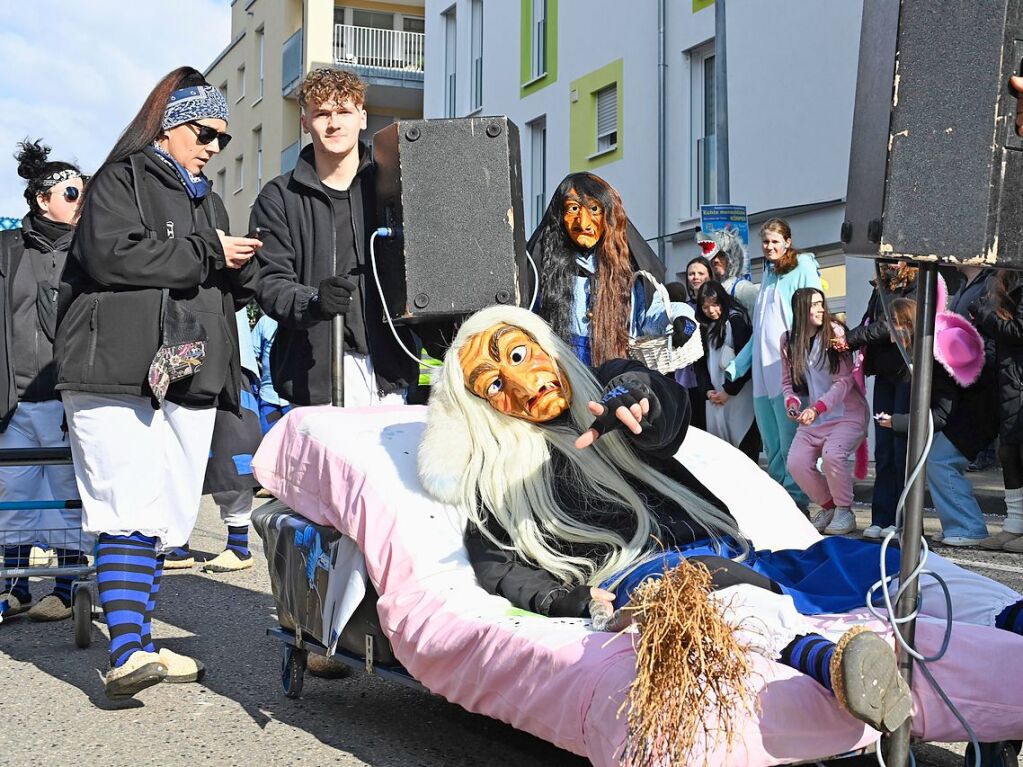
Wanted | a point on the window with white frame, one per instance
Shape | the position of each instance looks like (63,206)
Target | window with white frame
(223,89)
(607,118)
(450,62)
(537,169)
(241,83)
(476,50)
(221,187)
(703,127)
(260,47)
(239,173)
(538,26)
(257,144)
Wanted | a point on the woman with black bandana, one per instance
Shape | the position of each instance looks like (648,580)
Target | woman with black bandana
(31,260)
(147,349)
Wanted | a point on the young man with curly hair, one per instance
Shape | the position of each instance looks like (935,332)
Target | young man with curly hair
(315,256)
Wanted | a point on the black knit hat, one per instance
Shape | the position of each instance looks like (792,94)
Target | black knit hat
(40,174)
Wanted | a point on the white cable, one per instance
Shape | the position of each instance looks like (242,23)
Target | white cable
(889,604)
(383,304)
(536,282)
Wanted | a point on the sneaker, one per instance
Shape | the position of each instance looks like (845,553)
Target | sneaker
(843,523)
(961,540)
(872,532)
(179,558)
(50,608)
(181,668)
(998,540)
(1014,547)
(938,537)
(12,604)
(141,670)
(866,681)
(227,561)
(822,519)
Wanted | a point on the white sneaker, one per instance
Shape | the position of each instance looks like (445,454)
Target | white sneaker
(874,531)
(961,540)
(890,530)
(822,519)
(842,523)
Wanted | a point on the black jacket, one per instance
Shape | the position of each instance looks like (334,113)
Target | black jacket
(742,331)
(499,571)
(15,247)
(873,337)
(1008,338)
(140,233)
(970,299)
(297,254)
(968,417)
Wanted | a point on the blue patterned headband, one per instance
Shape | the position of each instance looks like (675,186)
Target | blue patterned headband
(198,102)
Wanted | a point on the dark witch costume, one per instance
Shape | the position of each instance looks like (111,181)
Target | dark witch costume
(573,282)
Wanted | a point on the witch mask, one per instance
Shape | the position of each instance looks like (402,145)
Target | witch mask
(583,219)
(507,367)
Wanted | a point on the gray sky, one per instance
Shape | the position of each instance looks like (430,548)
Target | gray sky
(75,72)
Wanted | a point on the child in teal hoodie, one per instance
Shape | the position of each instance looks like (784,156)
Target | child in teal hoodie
(785,271)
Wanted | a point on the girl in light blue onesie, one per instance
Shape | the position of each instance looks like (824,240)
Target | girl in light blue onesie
(785,271)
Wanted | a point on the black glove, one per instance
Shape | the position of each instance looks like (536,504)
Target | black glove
(335,296)
(625,391)
(684,330)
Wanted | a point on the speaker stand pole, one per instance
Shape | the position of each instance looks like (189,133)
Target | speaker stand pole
(337,361)
(913,514)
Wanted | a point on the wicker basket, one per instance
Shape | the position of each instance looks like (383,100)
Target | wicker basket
(658,352)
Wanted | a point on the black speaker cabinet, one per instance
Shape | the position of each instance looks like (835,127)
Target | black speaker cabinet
(454,187)
(936,168)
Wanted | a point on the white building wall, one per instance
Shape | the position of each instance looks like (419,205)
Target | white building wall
(791,83)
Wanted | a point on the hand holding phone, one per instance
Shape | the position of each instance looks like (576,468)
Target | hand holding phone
(258,233)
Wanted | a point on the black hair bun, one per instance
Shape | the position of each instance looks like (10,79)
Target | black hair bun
(193,79)
(32,158)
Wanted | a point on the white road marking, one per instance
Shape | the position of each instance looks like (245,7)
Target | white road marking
(985,565)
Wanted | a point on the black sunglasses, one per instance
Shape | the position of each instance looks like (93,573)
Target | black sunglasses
(204,134)
(72,193)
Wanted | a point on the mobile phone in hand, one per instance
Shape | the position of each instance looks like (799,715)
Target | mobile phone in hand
(258,233)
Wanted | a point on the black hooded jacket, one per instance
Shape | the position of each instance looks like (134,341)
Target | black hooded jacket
(298,253)
(139,234)
(1008,339)
(528,587)
(18,250)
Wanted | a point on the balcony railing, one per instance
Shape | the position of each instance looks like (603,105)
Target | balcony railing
(384,49)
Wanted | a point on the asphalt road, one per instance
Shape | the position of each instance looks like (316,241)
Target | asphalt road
(54,711)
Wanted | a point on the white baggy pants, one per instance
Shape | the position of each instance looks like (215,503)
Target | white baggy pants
(138,469)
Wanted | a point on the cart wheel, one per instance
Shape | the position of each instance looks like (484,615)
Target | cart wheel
(293,662)
(1002,753)
(81,613)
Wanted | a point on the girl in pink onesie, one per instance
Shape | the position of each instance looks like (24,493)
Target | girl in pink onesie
(836,423)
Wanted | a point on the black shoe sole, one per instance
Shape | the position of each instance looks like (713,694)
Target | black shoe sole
(869,685)
(131,684)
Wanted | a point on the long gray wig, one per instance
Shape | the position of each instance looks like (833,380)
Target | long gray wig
(491,464)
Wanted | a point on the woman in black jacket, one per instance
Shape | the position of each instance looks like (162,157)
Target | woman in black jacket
(31,260)
(147,350)
(726,329)
(1001,318)
(882,359)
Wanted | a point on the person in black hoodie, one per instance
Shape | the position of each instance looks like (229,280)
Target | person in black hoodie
(147,351)
(31,261)
(315,263)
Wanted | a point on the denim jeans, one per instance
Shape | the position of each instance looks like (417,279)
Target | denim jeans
(952,492)
(891,395)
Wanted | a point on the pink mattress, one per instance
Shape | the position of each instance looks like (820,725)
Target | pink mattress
(556,678)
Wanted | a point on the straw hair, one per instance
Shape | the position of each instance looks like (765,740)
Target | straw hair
(692,685)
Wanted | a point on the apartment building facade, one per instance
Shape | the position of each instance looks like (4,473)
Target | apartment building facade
(274,43)
(626,90)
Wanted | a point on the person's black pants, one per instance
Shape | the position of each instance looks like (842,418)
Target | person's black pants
(891,396)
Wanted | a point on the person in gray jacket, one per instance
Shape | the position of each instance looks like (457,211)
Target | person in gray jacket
(31,260)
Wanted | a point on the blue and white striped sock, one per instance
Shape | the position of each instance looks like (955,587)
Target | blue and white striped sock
(17,556)
(1011,618)
(238,541)
(811,654)
(62,585)
(125,566)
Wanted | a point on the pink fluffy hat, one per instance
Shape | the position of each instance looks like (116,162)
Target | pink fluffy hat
(958,347)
